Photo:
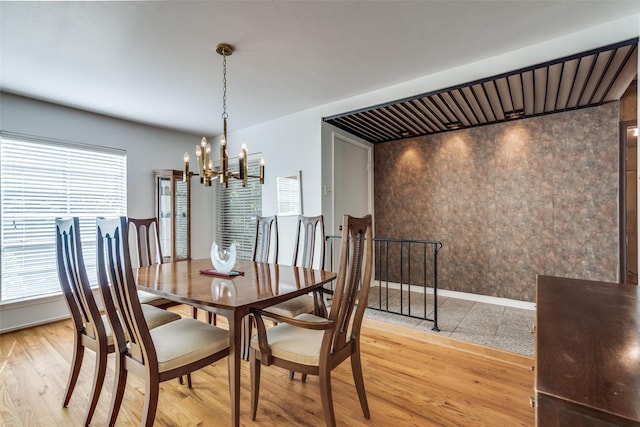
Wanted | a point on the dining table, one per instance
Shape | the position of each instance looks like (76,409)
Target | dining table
(258,285)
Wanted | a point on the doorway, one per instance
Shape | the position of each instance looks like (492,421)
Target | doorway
(352,180)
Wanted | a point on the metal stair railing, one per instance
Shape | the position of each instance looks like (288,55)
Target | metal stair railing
(406,276)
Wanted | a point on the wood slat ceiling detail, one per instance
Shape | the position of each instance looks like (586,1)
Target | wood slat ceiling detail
(583,80)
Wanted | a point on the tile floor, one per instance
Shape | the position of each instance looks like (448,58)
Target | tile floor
(496,326)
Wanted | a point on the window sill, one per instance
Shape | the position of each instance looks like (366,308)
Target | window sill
(29,301)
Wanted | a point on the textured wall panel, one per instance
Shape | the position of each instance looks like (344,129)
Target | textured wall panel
(509,201)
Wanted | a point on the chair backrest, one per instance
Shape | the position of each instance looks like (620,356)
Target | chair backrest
(352,284)
(306,231)
(115,278)
(74,281)
(146,235)
(266,243)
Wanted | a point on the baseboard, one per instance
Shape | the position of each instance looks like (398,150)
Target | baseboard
(27,313)
(506,302)
(40,322)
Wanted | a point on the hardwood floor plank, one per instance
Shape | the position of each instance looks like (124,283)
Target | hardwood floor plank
(412,378)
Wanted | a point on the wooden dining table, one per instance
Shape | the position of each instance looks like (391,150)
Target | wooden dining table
(260,285)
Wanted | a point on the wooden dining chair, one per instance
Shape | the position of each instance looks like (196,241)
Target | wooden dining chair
(147,241)
(313,344)
(157,355)
(265,248)
(90,331)
(91,328)
(145,235)
(307,229)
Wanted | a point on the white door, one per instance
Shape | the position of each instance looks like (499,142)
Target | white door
(351,180)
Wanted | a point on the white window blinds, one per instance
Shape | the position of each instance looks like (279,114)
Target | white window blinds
(43,179)
(237,208)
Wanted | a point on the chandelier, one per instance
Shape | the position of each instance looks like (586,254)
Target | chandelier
(206,170)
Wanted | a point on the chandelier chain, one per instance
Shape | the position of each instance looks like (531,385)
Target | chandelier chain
(224,86)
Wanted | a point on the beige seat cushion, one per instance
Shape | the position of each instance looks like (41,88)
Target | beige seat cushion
(293,343)
(187,340)
(152,299)
(153,315)
(157,316)
(293,307)
(107,330)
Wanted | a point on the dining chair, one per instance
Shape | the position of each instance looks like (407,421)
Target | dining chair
(90,331)
(309,225)
(157,355)
(265,248)
(91,328)
(145,236)
(307,228)
(313,344)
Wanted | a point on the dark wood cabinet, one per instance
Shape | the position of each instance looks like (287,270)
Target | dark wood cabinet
(587,353)
(173,210)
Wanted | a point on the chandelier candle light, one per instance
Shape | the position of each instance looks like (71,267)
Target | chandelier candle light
(207,173)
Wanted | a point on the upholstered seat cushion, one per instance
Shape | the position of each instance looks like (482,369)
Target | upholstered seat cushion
(153,315)
(157,316)
(152,299)
(186,340)
(293,343)
(107,330)
(293,307)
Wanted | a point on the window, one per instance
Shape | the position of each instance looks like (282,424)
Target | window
(43,179)
(288,194)
(237,208)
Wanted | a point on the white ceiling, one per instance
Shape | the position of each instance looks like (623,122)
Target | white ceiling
(155,62)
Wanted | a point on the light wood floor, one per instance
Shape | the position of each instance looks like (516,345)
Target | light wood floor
(412,379)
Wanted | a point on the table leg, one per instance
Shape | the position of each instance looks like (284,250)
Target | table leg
(235,350)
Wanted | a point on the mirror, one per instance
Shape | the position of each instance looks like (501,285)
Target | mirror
(289,194)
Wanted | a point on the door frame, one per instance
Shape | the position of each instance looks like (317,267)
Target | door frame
(622,196)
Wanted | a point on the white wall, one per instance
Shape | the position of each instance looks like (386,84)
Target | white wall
(147,148)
